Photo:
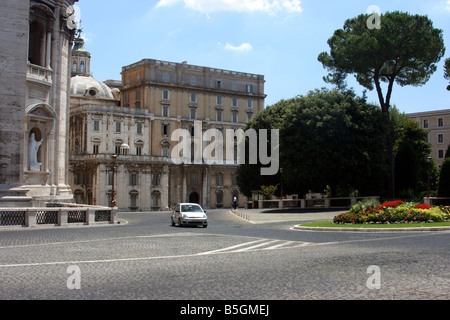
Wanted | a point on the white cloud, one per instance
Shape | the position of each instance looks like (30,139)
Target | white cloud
(447,7)
(208,6)
(242,47)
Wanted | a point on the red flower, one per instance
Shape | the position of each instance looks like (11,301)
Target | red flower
(390,204)
(423,206)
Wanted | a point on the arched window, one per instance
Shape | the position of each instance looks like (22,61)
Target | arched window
(74,67)
(82,67)
(36,49)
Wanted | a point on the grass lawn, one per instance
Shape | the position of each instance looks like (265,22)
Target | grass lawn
(330,224)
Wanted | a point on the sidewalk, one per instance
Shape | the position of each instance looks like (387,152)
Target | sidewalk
(285,215)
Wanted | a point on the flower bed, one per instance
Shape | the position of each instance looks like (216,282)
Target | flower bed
(393,212)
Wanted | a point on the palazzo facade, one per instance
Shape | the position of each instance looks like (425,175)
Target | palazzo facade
(135,119)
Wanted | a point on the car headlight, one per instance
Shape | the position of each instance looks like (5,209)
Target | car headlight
(204,216)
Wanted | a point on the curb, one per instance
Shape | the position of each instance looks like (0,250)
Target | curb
(422,229)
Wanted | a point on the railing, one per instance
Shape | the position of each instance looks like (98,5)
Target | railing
(39,73)
(62,216)
(326,203)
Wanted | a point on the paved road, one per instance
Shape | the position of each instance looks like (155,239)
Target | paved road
(233,259)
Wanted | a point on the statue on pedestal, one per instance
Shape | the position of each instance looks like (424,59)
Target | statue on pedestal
(33,149)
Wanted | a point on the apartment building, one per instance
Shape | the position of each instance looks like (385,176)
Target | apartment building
(437,123)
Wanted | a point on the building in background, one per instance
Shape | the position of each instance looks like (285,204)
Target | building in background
(437,123)
(156,98)
(36,41)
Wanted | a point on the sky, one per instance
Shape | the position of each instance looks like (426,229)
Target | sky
(280,39)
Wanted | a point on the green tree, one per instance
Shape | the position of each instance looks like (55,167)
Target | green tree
(411,160)
(404,51)
(326,138)
(444,179)
(447,71)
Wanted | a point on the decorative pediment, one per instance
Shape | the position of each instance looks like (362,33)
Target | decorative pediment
(41,110)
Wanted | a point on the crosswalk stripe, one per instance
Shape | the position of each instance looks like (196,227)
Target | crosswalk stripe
(256,246)
(231,248)
(263,244)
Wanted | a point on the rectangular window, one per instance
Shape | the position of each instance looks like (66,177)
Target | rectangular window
(138,95)
(165,130)
(235,102)
(155,180)
(249,88)
(440,138)
(193,114)
(118,127)
(165,95)
(117,149)
(219,180)
(96,125)
(219,115)
(440,122)
(139,151)
(193,97)
(109,178)
(194,181)
(155,201)
(79,179)
(234,117)
(133,179)
(165,111)
(425,124)
(218,84)
(95,149)
(250,103)
(441,154)
(139,128)
(219,100)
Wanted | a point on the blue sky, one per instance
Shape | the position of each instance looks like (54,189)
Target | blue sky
(279,39)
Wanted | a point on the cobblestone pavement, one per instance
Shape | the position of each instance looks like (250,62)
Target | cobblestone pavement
(233,259)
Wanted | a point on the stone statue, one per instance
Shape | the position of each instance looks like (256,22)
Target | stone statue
(33,148)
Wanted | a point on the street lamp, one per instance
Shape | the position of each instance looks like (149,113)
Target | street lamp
(113,204)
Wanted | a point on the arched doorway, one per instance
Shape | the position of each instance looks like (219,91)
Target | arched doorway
(194,197)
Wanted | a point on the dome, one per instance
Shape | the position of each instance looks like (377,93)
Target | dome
(90,87)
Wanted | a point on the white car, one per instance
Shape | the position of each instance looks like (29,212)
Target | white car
(189,214)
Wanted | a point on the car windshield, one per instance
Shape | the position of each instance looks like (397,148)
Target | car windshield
(191,208)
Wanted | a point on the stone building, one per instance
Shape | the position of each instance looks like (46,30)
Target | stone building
(437,123)
(36,37)
(193,98)
(156,98)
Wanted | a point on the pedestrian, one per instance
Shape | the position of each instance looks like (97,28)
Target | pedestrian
(234,202)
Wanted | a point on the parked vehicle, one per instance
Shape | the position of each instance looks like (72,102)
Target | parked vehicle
(192,214)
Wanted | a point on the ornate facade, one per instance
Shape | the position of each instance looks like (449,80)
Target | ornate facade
(156,98)
(36,38)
